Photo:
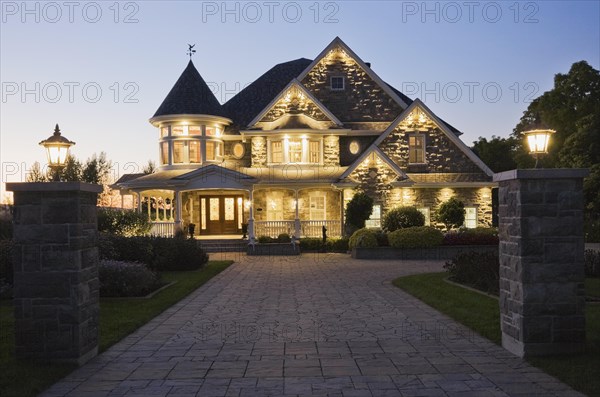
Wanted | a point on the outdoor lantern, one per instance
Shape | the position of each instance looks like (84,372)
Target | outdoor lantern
(57,149)
(538,142)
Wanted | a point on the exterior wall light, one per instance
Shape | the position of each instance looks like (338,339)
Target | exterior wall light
(538,141)
(57,150)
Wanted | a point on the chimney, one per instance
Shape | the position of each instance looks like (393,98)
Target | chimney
(368,64)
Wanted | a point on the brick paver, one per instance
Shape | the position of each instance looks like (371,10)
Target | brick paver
(315,325)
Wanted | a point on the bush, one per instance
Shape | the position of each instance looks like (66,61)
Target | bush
(266,240)
(592,263)
(6,224)
(452,213)
(382,238)
(119,279)
(363,238)
(331,245)
(123,222)
(358,210)
(6,266)
(311,244)
(284,238)
(337,245)
(416,237)
(477,270)
(159,253)
(402,217)
(477,236)
(591,230)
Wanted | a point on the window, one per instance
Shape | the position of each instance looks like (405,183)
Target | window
(275,206)
(317,208)
(177,130)
(427,214)
(211,131)
(276,152)
(314,152)
(416,149)
(164,152)
(337,83)
(238,150)
(374,220)
(295,151)
(177,152)
(195,156)
(164,131)
(194,130)
(203,213)
(210,150)
(471,217)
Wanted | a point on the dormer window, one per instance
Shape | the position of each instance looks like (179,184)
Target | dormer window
(337,83)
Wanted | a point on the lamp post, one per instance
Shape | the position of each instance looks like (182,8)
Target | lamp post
(538,142)
(57,150)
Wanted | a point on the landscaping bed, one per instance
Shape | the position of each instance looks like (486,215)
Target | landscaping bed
(439,252)
(273,249)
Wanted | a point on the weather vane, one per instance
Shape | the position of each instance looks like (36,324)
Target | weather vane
(191,50)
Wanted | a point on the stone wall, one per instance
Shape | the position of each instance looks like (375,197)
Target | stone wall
(231,162)
(542,294)
(259,151)
(361,100)
(261,202)
(332,203)
(295,102)
(331,151)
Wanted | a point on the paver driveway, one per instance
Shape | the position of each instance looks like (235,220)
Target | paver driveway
(311,325)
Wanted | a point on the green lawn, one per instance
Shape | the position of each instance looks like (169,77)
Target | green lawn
(118,318)
(592,287)
(482,314)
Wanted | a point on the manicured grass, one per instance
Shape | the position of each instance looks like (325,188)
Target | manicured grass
(118,318)
(482,314)
(592,287)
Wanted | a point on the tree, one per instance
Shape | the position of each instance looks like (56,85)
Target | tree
(402,217)
(71,172)
(96,169)
(452,213)
(497,153)
(358,210)
(36,174)
(149,168)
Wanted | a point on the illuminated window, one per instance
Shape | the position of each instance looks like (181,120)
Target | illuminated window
(470,217)
(354,147)
(238,150)
(374,220)
(275,206)
(314,152)
(178,130)
(164,152)
(416,149)
(295,151)
(211,150)
(317,208)
(178,152)
(194,130)
(427,214)
(164,131)
(276,152)
(337,83)
(211,131)
(195,156)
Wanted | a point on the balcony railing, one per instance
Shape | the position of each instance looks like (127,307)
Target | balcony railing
(273,228)
(162,229)
(315,228)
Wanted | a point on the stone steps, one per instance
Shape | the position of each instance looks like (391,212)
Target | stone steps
(224,245)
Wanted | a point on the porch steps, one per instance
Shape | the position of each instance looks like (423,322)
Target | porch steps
(224,245)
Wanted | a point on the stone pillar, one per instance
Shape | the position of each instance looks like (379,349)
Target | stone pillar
(541,261)
(251,237)
(56,270)
(297,225)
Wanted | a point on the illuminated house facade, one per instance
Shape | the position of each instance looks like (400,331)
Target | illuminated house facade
(288,152)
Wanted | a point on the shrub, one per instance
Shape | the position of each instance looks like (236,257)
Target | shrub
(358,210)
(6,224)
(284,238)
(266,239)
(123,222)
(337,245)
(451,213)
(592,263)
(477,236)
(331,245)
(382,238)
(6,266)
(126,279)
(311,244)
(591,230)
(402,217)
(477,270)
(363,238)
(106,248)
(416,237)
(131,249)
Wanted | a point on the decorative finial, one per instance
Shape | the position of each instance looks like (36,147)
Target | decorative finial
(191,50)
(56,130)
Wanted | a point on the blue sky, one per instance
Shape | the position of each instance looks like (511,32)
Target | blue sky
(101,69)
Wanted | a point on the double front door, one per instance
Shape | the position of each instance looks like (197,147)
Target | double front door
(221,214)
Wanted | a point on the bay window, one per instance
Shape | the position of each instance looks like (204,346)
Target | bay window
(195,155)
(178,152)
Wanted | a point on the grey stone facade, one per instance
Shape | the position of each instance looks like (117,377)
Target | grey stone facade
(56,290)
(541,261)
(259,151)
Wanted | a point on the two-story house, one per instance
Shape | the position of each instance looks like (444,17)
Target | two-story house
(289,151)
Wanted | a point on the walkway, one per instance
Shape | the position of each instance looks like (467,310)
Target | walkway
(315,325)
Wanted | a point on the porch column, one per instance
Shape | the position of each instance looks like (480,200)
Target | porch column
(178,221)
(139,201)
(251,219)
(149,210)
(297,219)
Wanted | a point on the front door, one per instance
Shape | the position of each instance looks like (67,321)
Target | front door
(223,214)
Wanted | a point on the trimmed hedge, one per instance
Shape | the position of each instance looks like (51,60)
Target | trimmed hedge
(331,245)
(126,223)
(159,253)
(477,270)
(363,238)
(592,263)
(6,266)
(122,279)
(402,217)
(477,236)
(416,237)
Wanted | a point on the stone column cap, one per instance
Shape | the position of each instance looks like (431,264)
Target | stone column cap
(542,173)
(53,187)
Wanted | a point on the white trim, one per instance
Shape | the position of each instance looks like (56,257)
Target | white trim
(311,97)
(382,156)
(338,42)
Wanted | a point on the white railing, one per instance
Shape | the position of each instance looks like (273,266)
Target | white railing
(162,229)
(273,228)
(315,228)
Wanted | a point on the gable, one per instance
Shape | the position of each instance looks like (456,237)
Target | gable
(444,151)
(295,108)
(365,96)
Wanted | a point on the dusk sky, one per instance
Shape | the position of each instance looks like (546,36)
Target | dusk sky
(101,69)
